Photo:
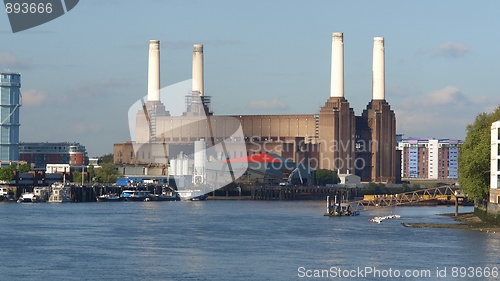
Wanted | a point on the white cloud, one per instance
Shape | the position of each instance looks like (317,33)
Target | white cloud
(452,49)
(276,104)
(9,60)
(34,97)
(447,95)
(443,113)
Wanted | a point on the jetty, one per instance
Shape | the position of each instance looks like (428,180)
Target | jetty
(288,193)
(448,194)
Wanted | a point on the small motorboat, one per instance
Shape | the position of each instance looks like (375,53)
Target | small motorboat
(27,198)
(112,197)
(135,195)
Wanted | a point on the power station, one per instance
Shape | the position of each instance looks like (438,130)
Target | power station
(335,139)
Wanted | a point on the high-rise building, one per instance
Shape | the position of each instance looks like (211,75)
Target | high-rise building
(10,101)
(425,158)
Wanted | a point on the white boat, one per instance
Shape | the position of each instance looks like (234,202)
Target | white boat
(59,193)
(4,193)
(190,194)
(135,195)
(380,219)
(27,197)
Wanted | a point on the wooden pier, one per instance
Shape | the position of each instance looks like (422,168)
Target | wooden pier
(90,193)
(298,192)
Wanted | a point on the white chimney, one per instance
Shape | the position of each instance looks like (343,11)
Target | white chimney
(154,71)
(337,75)
(198,69)
(378,70)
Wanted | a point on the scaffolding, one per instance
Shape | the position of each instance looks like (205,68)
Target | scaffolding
(198,105)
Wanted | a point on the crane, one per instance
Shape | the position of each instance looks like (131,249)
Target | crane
(289,181)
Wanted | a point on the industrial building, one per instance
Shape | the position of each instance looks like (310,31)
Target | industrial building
(428,158)
(335,139)
(10,102)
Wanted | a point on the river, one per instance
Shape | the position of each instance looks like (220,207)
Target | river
(235,240)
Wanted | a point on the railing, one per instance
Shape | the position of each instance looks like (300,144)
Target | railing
(388,200)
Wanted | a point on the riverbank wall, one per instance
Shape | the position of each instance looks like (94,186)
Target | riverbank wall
(487,212)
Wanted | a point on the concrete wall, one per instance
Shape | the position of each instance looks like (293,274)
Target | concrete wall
(489,213)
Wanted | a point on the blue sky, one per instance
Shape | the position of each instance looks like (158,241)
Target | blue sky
(81,72)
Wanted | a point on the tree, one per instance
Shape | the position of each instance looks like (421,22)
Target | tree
(107,173)
(474,156)
(7,173)
(324,176)
(108,158)
(77,177)
(24,168)
(91,173)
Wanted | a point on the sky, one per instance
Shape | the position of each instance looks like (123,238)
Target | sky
(83,71)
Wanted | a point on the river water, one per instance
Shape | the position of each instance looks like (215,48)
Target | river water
(235,240)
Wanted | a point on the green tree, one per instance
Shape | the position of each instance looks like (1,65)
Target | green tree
(107,173)
(474,156)
(7,173)
(24,168)
(108,158)
(77,177)
(91,173)
(324,176)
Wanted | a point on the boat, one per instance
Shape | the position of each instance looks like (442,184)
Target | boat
(27,197)
(59,193)
(3,193)
(41,193)
(112,197)
(135,195)
(192,195)
(338,209)
(166,195)
(379,220)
